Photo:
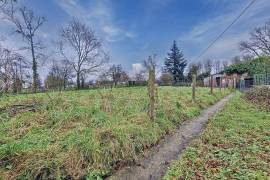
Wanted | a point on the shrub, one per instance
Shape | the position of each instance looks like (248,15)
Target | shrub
(259,95)
(255,66)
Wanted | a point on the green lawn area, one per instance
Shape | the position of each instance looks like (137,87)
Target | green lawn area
(87,133)
(235,145)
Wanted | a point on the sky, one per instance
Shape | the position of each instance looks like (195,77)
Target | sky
(131,30)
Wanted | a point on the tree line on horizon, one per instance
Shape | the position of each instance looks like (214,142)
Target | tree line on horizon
(79,53)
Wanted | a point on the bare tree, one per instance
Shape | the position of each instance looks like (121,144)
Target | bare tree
(217,66)
(249,47)
(200,67)
(66,72)
(166,79)
(225,64)
(247,57)
(117,74)
(81,48)
(12,68)
(236,60)
(19,67)
(259,41)
(7,5)
(5,67)
(208,65)
(26,24)
(140,76)
(59,75)
(193,69)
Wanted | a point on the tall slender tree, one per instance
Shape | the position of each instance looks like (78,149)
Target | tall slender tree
(175,63)
(27,24)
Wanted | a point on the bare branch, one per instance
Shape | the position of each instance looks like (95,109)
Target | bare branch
(259,41)
(82,49)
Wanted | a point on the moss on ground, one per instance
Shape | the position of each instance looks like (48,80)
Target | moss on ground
(235,145)
(87,133)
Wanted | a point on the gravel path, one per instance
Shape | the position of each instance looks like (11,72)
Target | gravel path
(155,161)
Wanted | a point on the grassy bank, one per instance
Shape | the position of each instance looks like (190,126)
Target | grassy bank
(235,145)
(87,133)
(259,95)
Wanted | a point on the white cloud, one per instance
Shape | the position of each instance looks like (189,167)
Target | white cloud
(99,14)
(136,68)
(115,34)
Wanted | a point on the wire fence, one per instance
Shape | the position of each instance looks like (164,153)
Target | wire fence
(255,80)
(261,79)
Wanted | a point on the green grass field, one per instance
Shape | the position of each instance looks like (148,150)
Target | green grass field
(87,133)
(235,145)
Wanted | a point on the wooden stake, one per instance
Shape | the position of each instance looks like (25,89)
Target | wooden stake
(220,83)
(211,83)
(193,86)
(151,93)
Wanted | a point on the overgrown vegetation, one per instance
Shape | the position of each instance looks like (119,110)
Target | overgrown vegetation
(235,145)
(88,133)
(254,66)
(259,95)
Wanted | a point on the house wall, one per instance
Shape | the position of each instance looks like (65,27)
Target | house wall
(227,81)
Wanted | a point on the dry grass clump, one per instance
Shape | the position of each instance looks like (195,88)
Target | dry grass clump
(259,95)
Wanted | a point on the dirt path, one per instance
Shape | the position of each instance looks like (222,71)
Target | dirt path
(155,162)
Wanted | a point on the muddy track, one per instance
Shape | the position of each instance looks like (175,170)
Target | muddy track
(155,161)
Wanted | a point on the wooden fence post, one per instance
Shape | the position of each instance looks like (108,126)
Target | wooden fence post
(151,93)
(220,83)
(211,83)
(193,86)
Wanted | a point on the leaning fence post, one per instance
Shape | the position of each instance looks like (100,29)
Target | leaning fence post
(151,93)
(193,86)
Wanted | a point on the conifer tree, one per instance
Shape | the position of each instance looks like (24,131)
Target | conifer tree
(175,63)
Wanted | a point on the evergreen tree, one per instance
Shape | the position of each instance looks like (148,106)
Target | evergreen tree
(175,63)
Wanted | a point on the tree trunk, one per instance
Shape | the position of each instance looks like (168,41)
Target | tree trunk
(82,83)
(34,67)
(5,84)
(78,81)
(174,79)
(5,79)
(64,84)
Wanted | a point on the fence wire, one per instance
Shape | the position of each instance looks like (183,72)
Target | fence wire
(261,79)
